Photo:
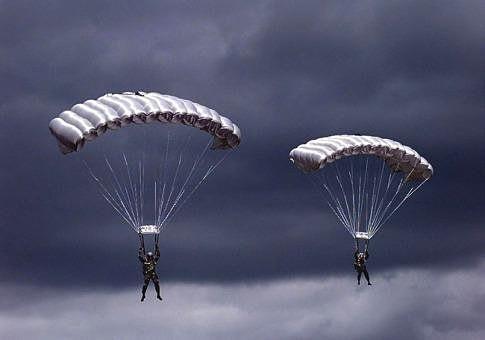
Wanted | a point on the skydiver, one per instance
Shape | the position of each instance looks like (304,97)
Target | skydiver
(360,259)
(149,261)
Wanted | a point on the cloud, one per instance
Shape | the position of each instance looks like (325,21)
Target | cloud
(405,304)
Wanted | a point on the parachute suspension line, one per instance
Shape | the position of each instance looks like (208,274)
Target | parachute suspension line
(105,193)
(409,194)
(174,180)
(141,171)
(184,185)
(352,227)
(162,199)
(338,205)
(209,171)
(116,187)
(132,190)
(337,209)
(356,183)
(181,182)
(175,201)
(128,195)
(377,197)
(162,195)
(155,199)
(374,208)
(381,203)
(351,179)
(363,201)
(373,200)
(367,195)
(156,185)
(136,188)
(360,203)
(382,218)
(361,214)
(346,217)
(377,205)
(379,214)
(142,184)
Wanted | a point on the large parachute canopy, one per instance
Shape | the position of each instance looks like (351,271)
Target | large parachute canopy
(180,171)
(365,179)
(86,121)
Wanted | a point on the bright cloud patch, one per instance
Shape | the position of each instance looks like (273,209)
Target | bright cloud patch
(407,304)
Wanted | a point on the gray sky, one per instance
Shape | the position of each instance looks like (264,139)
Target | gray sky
(285,72)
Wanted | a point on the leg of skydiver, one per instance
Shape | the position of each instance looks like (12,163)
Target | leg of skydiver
(366,274)
(359,274)
(144,289)
(156,283)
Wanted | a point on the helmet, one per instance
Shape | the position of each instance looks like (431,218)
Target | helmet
(150,254)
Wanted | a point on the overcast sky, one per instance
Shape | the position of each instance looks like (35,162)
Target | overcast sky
(256,253)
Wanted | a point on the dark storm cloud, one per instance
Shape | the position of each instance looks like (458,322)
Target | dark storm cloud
(285,73)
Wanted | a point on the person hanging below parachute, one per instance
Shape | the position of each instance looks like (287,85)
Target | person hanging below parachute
(172,185)
(360,260)
(365,180)
(149,262)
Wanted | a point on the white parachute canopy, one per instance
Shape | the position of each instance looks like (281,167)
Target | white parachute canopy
(86,121)
(365,179)
(179,170)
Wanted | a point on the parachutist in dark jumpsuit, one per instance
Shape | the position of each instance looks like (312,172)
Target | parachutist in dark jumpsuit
(149,261)
(359,265)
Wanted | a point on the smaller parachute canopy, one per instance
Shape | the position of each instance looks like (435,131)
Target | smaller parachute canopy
(317,153)
(88,120)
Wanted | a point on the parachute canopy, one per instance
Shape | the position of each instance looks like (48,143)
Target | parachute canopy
(317,153)
(86,121)
(364,179)
(165,177)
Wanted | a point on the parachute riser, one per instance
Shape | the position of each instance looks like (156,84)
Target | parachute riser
(147,230)
(361,238)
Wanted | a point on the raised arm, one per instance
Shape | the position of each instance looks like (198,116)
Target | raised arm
(141,254)
(141,250)
(157,251)
(366,254)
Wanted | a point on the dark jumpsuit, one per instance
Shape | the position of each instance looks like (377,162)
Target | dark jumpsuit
(149,273)
(359,265)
